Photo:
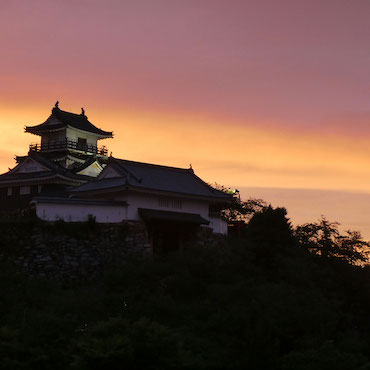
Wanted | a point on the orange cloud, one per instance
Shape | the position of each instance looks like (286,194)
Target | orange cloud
(220,151)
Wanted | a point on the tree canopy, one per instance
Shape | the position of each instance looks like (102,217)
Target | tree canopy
(324,239)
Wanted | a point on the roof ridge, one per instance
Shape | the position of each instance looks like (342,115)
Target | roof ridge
(57,109)
(214,190)
(124,171)
(155,165)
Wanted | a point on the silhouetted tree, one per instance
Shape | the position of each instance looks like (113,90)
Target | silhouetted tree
(270,225)
(323,238)
(237,209)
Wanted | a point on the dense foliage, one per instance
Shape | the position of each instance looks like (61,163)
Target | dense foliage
(264,301)
(323,238)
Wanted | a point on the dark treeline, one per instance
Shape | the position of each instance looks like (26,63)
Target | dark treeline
(275,298)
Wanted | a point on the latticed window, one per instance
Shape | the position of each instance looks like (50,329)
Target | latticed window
(170,203)
(164,202)
(176,203)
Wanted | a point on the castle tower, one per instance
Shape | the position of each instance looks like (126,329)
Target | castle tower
(67,155)
(69,139)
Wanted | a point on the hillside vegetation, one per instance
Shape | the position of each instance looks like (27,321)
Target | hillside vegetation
(275,298)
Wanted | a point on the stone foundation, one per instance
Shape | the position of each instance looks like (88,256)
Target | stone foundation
(70,252)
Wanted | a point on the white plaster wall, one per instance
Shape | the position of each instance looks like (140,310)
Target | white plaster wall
(80,213)
(116,214)
(75,134)
(218,225)
(142,200)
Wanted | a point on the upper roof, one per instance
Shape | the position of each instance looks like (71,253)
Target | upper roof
(60,119)
(148,176)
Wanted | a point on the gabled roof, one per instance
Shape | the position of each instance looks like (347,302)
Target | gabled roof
(52,170)
(60,119)
(145,176)
(43,163)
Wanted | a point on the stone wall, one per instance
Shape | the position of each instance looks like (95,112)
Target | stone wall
(69,252)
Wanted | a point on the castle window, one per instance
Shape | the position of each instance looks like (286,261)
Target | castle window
(15,191)
(25,190)
(164,202)
(34,189)
(170,203)
(81,144)
(176,203)
(3,193)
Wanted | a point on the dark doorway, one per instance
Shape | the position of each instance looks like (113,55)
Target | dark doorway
(168,231)
(167,237)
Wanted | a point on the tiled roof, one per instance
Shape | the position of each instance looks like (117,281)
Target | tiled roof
(78,121)
(155,215)
(104,184)
(54,169)
(58,168)
(26,175)
(65,200)
(153,177)
(10,178)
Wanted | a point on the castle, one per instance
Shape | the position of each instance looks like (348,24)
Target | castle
(67,176)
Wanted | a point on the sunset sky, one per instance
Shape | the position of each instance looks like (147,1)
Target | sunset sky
(272,97)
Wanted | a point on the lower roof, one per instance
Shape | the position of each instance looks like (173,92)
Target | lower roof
(52,171)
(78,201)
(155,215)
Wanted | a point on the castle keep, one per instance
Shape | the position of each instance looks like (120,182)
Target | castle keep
(68,176)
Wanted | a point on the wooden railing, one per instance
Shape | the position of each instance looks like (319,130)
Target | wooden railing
(68,144)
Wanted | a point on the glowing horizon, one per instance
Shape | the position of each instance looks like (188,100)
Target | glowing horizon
(223,152)
(251,93)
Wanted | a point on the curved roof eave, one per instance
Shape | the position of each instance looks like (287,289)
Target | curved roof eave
(76,121)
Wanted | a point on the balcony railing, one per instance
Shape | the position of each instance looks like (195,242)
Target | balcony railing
(69,144)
